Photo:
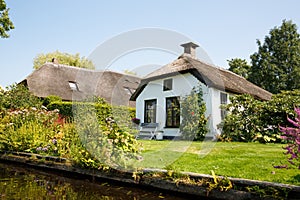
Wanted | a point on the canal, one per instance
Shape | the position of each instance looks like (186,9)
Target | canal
(22,182)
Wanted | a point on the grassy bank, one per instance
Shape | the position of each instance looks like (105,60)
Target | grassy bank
(240,160)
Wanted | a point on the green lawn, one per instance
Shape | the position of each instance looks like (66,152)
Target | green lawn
(240,160)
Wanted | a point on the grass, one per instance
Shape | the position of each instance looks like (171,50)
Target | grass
(240,160)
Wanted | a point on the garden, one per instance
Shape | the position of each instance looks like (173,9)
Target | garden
(261,140)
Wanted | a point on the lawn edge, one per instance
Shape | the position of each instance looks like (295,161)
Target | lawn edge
(140,178)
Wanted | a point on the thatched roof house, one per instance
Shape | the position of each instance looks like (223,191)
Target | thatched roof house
(208,74)
(158,97)
(73,83)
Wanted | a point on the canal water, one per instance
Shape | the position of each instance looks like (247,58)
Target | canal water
(22,182)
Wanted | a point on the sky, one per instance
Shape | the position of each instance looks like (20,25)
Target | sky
(224,29)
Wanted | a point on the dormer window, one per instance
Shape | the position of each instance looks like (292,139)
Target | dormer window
(129,90)
(168,84)
(73,85)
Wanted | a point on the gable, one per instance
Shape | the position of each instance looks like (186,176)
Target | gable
(182,84)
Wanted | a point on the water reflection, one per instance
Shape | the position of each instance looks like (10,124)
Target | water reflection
(19,182)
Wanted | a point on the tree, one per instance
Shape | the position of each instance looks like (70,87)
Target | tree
(5,23)
(194,122)
(276,65)
(239,66)
(63,58)
(18,97)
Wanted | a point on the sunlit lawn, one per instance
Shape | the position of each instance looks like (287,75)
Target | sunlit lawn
(240,160)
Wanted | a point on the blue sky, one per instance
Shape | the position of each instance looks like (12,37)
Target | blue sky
(224,29)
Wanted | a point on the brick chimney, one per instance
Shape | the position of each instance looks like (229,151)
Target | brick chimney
(190,49)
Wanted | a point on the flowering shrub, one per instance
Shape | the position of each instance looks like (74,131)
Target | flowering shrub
(29,130)
(136,120)
(194,122)
(27,126)
(107,142)
(292,136)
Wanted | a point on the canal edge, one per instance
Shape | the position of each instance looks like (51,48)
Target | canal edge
(143,179)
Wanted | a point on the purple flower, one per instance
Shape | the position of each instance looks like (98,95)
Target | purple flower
(54,141)
(292,136)
(136,120)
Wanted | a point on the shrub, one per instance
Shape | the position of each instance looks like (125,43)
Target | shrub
(107,142)
(18,97)
(242,122)
(292,136)
(121,114)
(249,119)
(52,98)
(29,130)
(194,122)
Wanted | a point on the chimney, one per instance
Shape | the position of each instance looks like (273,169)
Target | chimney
(190,49)
(54,61)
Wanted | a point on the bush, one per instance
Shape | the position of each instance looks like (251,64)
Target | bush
(92,141)
(107,142)
(29,130)
(292,136)
(249,119)
(52,98)
(121,114)
(242,122)
(18,97)
(194,122)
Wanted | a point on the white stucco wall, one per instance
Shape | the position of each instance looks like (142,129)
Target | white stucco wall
(182,86)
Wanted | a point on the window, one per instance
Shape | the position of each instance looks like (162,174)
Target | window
(168,84)
(73,85)
(129,90)
(172,112)
(150,111)
(224,101)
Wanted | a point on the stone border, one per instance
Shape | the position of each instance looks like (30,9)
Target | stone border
(140,178)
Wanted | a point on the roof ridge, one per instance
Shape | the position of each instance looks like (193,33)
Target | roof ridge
(218,67)
(67,66)
(85,69)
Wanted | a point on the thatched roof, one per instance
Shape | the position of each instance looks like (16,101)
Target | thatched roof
(55,79)
(210,75)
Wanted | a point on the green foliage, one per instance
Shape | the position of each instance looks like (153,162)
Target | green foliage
(52,98)
(18,96)
(89,142)
(218,183)
(109,143)
(63,58)
(5,22)
(103,110)
(28,130)
(249,119)
(276,65)
(194,122)
(269,192)
(239,66)
(242,122)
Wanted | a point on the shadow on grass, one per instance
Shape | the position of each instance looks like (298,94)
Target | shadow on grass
(296,178)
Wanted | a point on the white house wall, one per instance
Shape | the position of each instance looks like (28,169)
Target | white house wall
(182,86)
(215,113)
